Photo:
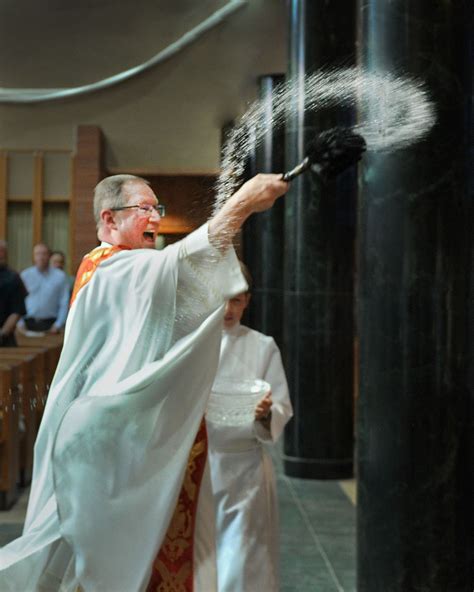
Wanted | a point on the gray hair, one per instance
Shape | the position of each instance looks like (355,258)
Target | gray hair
(109,193)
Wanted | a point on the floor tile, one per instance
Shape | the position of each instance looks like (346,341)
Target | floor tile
(348,486)
(317,536)
(303,567)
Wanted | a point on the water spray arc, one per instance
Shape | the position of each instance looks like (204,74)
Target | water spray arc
(393,112)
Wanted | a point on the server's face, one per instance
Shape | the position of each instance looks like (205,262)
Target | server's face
(234,309)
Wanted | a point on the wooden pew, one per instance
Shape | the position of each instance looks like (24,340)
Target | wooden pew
(30,366)
(9,436)
(44,340)
(44,367)
(52,343)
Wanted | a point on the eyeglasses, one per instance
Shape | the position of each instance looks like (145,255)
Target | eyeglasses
(145,209)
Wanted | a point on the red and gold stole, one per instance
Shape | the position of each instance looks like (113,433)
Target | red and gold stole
(90,263)
(173,565)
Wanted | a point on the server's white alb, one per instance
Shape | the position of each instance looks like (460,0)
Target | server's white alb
(242,473)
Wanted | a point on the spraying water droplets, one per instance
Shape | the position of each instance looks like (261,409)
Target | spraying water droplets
(393,112)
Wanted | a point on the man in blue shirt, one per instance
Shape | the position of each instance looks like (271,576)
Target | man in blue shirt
(48,294)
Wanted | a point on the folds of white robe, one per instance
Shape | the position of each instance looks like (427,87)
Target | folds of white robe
(242,476)
(204,549)
(130,390)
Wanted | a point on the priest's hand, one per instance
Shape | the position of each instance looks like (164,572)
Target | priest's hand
(263,408)
(256,195)
(260,193)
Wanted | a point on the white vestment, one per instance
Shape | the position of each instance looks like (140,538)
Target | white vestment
(242,476)
(139,357)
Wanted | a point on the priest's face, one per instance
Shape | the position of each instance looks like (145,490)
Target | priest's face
(136,227)
(234,309)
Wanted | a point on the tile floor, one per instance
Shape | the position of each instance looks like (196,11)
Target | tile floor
(317,537)
(317,533)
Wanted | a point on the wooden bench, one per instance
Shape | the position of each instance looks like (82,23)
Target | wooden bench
(29,393)
(53,344)
(44,368)
(9,433)
(46,340)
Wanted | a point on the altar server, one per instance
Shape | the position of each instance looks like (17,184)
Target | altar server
(242,476)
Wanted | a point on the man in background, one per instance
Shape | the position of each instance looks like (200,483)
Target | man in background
(12,299)
(48,294)
(58,261)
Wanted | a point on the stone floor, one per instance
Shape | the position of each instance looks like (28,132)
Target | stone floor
(317,533)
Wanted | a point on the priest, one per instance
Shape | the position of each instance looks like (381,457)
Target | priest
(122,433)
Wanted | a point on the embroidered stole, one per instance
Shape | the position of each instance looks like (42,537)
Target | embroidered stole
(89,264)
(173,566)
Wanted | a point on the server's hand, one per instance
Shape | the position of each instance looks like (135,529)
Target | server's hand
(264,406)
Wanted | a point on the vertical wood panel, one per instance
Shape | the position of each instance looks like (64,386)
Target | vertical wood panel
(3,194)
(20,235)
(56,226)
(37,210)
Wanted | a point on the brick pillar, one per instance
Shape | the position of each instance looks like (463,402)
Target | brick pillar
(89,169)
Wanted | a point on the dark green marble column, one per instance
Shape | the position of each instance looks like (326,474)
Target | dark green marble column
(470,425)
(263,236)
(319,261)
(415,498)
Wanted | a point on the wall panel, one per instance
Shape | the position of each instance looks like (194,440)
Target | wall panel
(55,227)
(20,235)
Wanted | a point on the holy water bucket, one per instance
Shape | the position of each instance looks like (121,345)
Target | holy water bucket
(233,402)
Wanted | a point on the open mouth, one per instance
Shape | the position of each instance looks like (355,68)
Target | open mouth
(149,235)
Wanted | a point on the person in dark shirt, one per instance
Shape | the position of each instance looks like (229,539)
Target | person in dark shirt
(12,299)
